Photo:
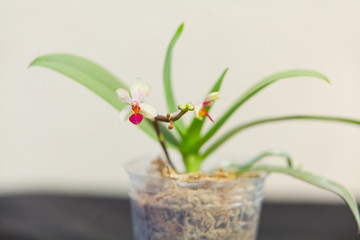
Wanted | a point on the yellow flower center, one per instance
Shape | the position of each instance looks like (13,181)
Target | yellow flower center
(135,107)
(202,112)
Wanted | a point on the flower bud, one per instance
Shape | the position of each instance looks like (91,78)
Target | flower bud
(182,107)
(190,106)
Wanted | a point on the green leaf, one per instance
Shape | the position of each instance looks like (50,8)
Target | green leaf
(316,180)
(244,126)
(255,89)
(227,166)
(87,73)
(169,94)
(269,153)
(197,124)
(95,78)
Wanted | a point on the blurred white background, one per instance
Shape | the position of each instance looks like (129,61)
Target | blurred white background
(57,136)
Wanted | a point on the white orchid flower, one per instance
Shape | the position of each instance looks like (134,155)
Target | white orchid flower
(200,109)
(136,110)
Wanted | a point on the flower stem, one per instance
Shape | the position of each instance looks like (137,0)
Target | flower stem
(162,143)
(171,117)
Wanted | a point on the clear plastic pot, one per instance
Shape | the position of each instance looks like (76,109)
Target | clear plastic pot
(166,209)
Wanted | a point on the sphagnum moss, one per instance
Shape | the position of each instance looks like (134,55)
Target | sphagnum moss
(196,206)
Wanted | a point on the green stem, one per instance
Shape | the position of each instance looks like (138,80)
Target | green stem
(192,162)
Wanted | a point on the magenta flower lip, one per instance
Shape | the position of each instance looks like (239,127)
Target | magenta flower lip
(136,118)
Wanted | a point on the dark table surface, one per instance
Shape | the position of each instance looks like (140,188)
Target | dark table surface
(52,217)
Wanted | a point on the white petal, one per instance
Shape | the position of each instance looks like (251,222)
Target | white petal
(197,110)
(139,90)
(125,113)
(212,96)
(123,95)
(148,111)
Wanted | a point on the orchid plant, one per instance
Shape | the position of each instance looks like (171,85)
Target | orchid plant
(190,138)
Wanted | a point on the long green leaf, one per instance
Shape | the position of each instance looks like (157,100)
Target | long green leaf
(95,78)
(197,124)
(316,180)
(244,126)
(87,73)
(169,94)
(228,166)
(269,153)
(255,89)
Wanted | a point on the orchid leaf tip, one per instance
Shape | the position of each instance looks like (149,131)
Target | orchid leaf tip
(181,27)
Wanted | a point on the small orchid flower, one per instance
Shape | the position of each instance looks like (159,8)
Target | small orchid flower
(200,109)
(137,110)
